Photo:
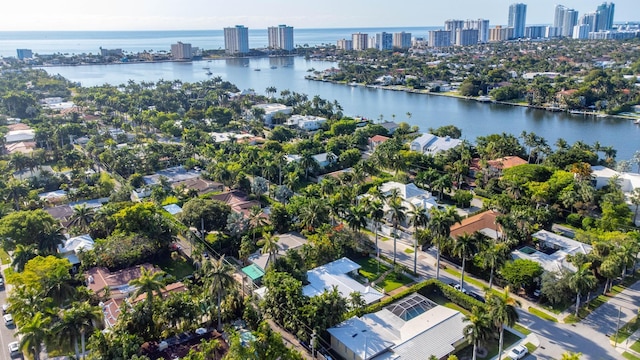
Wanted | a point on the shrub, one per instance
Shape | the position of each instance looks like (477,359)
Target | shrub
(588,223)
(574,220)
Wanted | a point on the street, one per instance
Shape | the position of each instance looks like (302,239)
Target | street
(6,334)
(555,338)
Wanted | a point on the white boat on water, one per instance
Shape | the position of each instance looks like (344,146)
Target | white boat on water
(637,122)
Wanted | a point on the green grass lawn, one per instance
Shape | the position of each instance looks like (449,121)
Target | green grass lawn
(4,257)
(369,268)
(530,347)
(522,329)
(626,330)
(509,339)
(408,251)
(542,315)
(636,346)
(180,268)
(630,356)
(393,281)
(470,280)
(441,300)
(586,310)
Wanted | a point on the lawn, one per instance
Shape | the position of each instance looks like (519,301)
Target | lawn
(630,356)
(509,339)
(408,251)
(522,329)
(542,315)
(179,268)
(586,310)
(441,300)
(470,280)
(626,330)
(393,281)
(4,257)
(369,268)
(636,346)
(530,347)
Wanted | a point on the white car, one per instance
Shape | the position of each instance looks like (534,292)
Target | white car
(518,352)
(5,308)
(8,319)
(459,288)
(14,348)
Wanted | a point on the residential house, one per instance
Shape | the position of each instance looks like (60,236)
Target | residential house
(73,246)
(430,144)
(337,273)
(410,194)
(628,183)
(552,251)
(376,140)
(390,126)
(413,328)
(260,261)
(23,147)
(501,164)
(100,278)
(237,200)
(270,110)
(306,122)
(200,185)
(484,223)
(19,133)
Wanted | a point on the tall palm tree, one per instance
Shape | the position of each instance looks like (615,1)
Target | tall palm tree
(76,322)
(356,217)
(478,329)
(34,333)
(418,218)
(464,247)
(255,219)
(269,244)
(581,281)
(396,213)
(149,282)
(82,217)
(493,257)
(49,239)
(440,223)
(15,191)
(21,255)
(220,278)
(502,309)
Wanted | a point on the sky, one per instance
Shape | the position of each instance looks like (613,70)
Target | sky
(51,15)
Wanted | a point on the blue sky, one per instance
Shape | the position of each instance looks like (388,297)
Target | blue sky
(216,14)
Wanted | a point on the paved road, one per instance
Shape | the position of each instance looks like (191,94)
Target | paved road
(589,337)
(6,334)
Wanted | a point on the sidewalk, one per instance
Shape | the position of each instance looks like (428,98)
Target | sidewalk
(626,345)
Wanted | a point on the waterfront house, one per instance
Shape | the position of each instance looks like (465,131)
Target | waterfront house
(410,194)
(306,122)
(413,328)
(430,144)
(270,110)
(390,126)
(376,140)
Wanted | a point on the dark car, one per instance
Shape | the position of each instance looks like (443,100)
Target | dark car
(476,296)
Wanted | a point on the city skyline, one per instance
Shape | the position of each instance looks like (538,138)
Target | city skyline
(201,15)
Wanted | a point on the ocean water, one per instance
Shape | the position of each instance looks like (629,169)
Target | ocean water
(79,42)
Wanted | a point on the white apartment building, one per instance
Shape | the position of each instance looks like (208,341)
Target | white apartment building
(236,40)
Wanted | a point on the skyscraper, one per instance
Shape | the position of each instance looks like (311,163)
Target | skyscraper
(452,26)
(439,38)
(181,51)
(570,20)
(402,40)
(518,19)
(360,41)
(281,38)
(590,19)
(344,44)
(236,40)
(605,16)
(481,25)
(384,41)
(466,37)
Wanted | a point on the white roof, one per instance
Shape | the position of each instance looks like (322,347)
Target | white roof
(385,335)
(431,144)
(82,242)
(557,260)
(628,181)
(172,209)
(52,194)
(271,108)
(410,193)
(20,135)
(335,274)
(286,242)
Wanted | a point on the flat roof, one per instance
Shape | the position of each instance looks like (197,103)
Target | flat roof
(335,274)
(253,272)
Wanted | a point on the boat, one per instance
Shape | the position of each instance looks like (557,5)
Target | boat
(602,115)
(576,112)
(209,73)
(256,69)
(274,67)
(206,68)
(637,122)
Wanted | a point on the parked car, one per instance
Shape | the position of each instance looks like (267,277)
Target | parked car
(518,352)
(8,319)
(1,282)
(476,296)
(460,288)
(5,308)
(14,348)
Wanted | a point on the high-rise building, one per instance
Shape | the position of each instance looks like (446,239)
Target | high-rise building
(552,32)
(581,31)
(236,40)
(482,26)
(360,41)
(439,38)
(344,44)
(535,32)
(605,16)
(181,51)
(384,41)
(590,19)
(518,19)
(281,38)
(373,43)
(500,33)
(466,37)
(570,20)
(558,19)
(402,40)
(452,26)
(24,54)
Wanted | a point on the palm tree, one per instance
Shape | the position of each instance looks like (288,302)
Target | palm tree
(77,322)
(34,332)
(418,218)
(502,309)
(49,239)
(269,245)
(15,191)
(255,219)
(82,217)
(582,280)
(464,247)
(479,328)
(396,214)
(440,224)
(493,257)
(219,277)
(21,255)
(356,217)
(148,283)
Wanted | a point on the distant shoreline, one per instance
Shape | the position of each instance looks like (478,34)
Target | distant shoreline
(478,99)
